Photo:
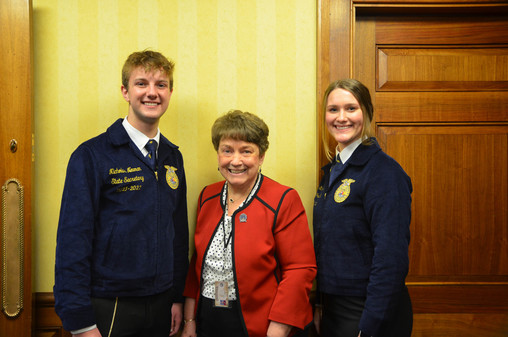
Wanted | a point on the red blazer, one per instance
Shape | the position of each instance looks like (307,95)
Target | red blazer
(273,255)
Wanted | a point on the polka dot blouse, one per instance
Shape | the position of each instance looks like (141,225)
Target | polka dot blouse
(219,258)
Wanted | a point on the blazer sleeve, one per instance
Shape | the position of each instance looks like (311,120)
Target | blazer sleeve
(388,209)
(74,242)
(297,263)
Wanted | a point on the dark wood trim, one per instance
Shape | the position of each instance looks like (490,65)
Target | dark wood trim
(47,323)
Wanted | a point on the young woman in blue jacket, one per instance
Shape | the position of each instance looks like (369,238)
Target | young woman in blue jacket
(362,212)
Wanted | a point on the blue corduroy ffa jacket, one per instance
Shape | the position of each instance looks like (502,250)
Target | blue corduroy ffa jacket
(122,231)
(361,232)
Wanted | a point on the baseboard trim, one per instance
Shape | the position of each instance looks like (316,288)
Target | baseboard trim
(47,322)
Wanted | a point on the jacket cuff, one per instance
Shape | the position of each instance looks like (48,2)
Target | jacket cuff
(78,319)
(369,326)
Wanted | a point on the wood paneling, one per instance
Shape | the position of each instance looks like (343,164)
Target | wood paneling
(441,29)
(438,75)
(47,323)
(441,68)
(333,43)
(460,193)
(16,123)
(464,325)
(442,107)
(450,298)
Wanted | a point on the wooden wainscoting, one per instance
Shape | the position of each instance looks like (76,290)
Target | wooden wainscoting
(47,323)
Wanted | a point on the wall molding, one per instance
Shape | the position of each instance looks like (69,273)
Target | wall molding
(47,322)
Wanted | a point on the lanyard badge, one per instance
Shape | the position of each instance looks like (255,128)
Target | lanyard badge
(221,294)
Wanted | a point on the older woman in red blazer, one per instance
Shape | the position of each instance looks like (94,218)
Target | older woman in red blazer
(253,266)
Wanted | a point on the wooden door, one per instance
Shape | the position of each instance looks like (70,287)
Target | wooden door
(16,167)
(438,75)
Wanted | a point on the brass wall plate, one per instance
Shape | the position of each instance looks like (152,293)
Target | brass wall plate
(12,247)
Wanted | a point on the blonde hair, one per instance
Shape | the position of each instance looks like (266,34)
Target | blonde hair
(149,60)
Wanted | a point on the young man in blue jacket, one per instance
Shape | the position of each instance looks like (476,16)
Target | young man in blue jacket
(122,243)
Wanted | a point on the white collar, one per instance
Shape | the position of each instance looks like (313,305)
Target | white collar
(346,153)
(138,137)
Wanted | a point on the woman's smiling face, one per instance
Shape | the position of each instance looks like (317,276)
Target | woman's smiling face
(239,162)
(343,117)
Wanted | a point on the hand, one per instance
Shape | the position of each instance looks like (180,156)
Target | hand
(176,318)
(189,329)
(317,319)
(90,333)
(276,329)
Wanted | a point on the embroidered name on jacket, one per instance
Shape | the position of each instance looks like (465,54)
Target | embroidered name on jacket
(343,190)
(171,177)
(124,177)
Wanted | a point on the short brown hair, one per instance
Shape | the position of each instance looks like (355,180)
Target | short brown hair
(150,60)
(239,125)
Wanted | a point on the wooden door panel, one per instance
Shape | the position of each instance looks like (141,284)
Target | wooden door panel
(48,323)
(440,107)
(431,29)
(442,68)
(460,198)
(463,298)
(463,325)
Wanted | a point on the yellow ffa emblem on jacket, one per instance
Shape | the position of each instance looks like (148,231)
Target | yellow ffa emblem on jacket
(343,191)
(171,177)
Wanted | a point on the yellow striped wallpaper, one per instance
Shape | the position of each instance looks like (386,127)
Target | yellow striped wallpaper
(253,55)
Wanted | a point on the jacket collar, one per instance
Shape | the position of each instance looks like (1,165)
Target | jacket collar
(360,157)
(119,136)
